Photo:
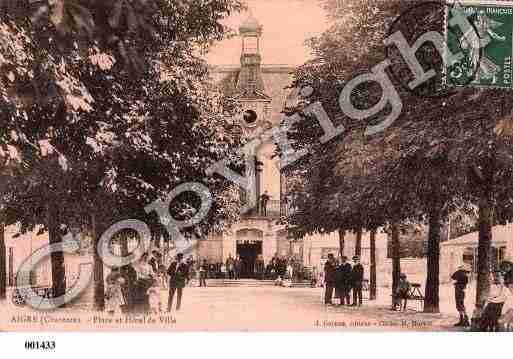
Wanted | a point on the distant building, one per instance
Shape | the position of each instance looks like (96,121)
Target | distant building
(463,250)
(20,247)
(262,92)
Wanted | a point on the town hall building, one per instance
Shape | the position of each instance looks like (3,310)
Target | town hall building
(262,92)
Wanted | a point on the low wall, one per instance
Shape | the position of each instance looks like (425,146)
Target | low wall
(414,268)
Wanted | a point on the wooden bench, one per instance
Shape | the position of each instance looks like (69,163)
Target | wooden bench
(416,294)
(19,299)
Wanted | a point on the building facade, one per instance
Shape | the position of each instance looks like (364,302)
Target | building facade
(463,250)
(263,92)
(260,91)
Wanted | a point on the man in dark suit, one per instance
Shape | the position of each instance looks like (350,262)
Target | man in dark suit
(344,272)
(230,264)
(259,267)
(357,281)
(129,287)
(203,270)
(330,268)
(237,267)
(178,273)
(155,261)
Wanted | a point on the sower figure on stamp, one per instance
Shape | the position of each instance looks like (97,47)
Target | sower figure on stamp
(178,276)
(460,278)
(357,281)
(329,274)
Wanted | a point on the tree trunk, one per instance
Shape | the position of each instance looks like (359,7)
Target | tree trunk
(341,241)
(124,253)
(124,246)
(432,296)
(56,257)
(358,244)
(396,257)
(99,288)
(3,263)
(373,283)
(484,250)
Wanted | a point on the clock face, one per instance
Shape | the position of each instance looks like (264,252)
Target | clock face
(250,117)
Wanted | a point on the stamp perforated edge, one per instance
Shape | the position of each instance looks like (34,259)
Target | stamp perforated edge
(448,3)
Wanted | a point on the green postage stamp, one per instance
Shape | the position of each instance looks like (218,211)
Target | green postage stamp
(487,46)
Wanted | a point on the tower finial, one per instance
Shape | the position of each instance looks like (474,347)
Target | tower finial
(251,24)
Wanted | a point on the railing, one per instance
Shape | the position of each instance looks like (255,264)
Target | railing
(273,209)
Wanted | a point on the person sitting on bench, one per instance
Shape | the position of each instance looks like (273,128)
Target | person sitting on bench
(402,293)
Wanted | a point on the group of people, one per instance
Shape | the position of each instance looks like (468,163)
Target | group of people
(284,268)
(342,278)
(230,269)
(279,268)
(498,304)
(141,285)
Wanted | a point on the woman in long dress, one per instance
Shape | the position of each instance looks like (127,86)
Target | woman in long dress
(499,301)
(154,297)
(145,277)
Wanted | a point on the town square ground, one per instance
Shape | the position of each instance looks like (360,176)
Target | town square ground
(265,308)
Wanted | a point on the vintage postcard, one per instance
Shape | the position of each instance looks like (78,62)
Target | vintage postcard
(258,165)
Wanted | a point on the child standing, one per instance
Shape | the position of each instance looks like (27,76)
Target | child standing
(154,297)
(114,299)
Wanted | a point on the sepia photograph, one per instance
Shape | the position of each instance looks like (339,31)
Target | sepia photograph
(319,166)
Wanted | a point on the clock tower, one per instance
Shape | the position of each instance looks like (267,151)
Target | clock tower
(250,88)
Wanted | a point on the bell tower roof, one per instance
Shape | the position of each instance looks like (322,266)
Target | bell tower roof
(250,84)
(251,25)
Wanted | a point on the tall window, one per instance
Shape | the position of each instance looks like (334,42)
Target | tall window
(498,255)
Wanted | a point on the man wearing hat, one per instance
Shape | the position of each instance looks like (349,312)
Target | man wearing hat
(344,273)
(460,278)
(329,274)
(178,273)
(357,281)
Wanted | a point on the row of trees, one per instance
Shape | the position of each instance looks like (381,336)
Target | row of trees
(105,108)
(448,151)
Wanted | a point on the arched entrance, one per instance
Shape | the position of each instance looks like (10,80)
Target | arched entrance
(249,248)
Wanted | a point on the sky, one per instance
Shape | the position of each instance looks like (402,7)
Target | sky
(287,24)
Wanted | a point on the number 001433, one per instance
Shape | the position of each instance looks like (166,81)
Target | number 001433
(43,345)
